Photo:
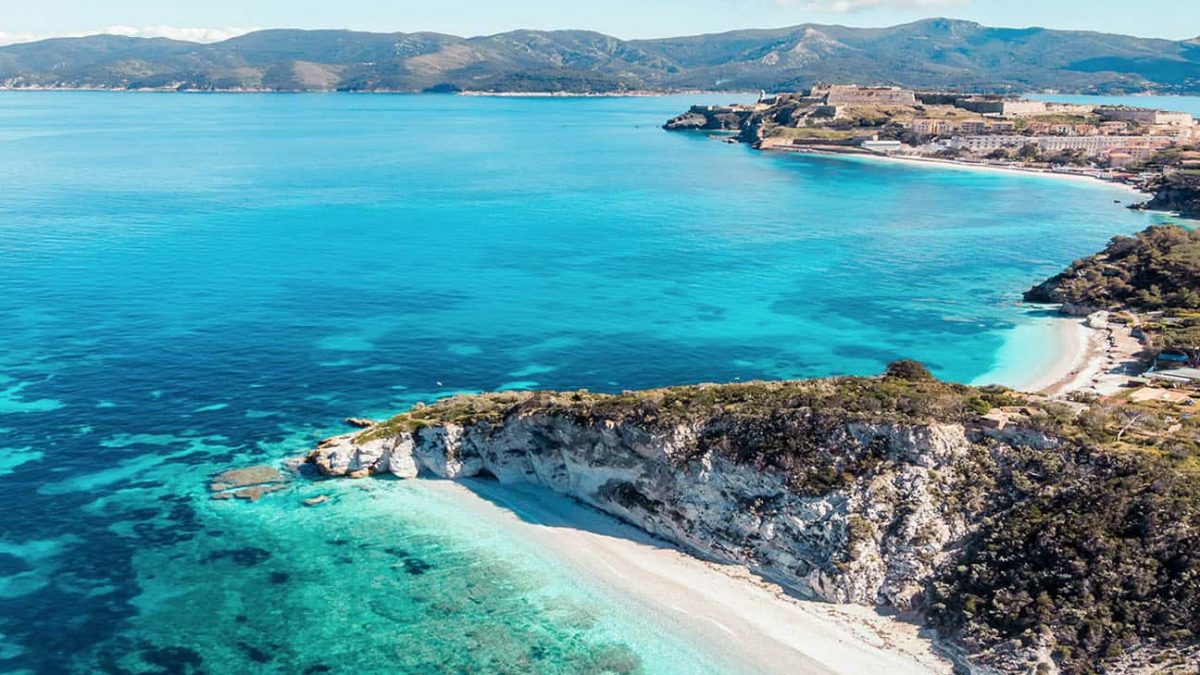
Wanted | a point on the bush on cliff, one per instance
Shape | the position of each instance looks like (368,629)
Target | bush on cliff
(1088,553)
(906,369)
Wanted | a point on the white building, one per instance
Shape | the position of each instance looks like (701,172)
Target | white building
(1005,107)
(1092,145)
(1147,116)
(882,146)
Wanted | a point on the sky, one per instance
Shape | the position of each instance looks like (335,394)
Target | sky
(212,20)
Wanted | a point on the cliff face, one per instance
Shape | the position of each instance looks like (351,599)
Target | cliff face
(873,541)
(1017,534)
(750,122)
(710,118)
(1178,193)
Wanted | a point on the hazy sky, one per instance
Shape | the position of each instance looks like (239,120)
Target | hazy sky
(207,20)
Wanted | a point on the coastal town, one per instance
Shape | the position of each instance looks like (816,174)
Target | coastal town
(1127,349)
(1139,146)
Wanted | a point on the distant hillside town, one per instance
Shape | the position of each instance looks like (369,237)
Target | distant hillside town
(1128,143)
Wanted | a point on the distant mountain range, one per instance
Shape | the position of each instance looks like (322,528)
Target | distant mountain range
(934,53)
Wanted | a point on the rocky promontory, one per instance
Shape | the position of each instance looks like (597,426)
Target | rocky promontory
(1154,274)
(1178,192)
(1032,535)
(711,118)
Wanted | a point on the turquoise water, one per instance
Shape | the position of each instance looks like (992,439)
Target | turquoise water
(189,283)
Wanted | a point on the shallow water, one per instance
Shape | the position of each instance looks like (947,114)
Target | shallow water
(193,282)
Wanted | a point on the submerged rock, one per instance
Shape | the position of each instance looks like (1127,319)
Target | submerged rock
(249,483)
(254,493)
(237,478)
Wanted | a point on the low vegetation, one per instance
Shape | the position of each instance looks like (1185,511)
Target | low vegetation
(1087,553)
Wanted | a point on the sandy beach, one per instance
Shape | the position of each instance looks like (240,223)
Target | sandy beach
(936,163)
(1096,360)
(741,617)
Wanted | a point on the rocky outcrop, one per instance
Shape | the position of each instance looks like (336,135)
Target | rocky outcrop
(1019,541)
(874,541)
(1051,292)
(688,121)
(711,118)
(1178,193)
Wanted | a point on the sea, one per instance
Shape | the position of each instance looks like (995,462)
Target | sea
(194,282)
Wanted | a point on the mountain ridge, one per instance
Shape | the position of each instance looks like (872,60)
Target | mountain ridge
(931,53)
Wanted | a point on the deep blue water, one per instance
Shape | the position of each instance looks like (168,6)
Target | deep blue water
(192,282)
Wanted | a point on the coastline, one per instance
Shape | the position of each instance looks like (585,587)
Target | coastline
(1080,358)
(633,93)
(939,163)
(973,166)
(741,618)
(1105,358)
(1085,359)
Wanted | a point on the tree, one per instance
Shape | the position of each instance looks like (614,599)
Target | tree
(1029,152)
(907,369)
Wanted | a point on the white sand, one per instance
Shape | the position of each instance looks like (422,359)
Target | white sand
(1081,358)
(936,163)
(1072,352)
(724,607)
(1109,358)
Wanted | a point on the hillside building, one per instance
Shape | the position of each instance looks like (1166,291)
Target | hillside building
(849,94)
(1146,116)
(1004,107)
(1089,145)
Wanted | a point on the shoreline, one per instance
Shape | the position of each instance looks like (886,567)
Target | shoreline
(1015,169)
(743,619)
(1065,346)
(1081,358)
(936,162)
(1106,359)
(1085,359)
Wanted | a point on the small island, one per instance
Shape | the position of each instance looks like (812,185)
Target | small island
(1153,150)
